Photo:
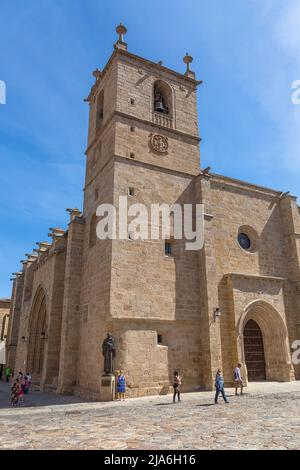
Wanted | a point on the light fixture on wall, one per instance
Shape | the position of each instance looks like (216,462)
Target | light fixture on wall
(43,335)
(217,313)
(23,339)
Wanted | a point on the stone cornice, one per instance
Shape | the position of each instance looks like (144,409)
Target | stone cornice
(158,68)
(239,184)
(150,319)
(153,124)
(255,276)
(135,162)
(131,118)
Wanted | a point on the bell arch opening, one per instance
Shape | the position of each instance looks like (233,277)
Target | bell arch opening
(36,335)
(162,98)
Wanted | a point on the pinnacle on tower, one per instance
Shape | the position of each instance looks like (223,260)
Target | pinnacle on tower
(188,59)
(121,44)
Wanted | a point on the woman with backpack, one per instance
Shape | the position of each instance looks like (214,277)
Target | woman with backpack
(219,383)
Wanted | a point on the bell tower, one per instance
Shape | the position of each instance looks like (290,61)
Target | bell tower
(143,143)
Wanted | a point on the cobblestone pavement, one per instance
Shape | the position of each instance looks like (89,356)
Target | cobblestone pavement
(266,417)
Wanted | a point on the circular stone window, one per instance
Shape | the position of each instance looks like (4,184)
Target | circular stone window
(248,239)
(244,241)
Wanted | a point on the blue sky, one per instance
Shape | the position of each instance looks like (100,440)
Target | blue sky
(246,52)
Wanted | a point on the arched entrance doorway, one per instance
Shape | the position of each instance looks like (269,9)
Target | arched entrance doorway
(254,351)
(263,343)
(36,335)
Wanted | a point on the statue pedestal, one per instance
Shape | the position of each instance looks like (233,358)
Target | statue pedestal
(107,388)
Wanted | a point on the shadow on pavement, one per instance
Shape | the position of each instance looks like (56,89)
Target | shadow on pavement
(164,404)
(206,404)
(35,398)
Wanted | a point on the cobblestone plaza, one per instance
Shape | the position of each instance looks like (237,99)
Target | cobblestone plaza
(266,417)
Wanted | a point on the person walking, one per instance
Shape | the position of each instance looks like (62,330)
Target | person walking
(176,385)
(14,395)
(21,386)
(29,378)
(238,380)
(121,385)
(26,384)
(7,373)
(219,383)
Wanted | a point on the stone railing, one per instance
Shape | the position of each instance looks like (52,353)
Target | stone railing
(162,120)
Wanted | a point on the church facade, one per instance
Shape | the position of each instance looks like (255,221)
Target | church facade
(237,299)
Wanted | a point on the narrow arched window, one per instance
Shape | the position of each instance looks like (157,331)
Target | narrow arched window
(99,110)
(93,234)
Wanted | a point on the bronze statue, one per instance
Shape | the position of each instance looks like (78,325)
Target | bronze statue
(109,352)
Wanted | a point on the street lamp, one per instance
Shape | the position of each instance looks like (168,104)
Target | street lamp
(217,313)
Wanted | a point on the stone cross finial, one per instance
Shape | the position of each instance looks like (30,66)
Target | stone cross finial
(188,59)
(121,30)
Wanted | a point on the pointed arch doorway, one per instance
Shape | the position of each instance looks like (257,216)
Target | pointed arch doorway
(263,343)
(36,336)
(254,351)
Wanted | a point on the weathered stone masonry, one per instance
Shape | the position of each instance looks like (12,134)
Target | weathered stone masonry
(159,308)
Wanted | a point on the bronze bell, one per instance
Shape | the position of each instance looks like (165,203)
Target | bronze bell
(159,107)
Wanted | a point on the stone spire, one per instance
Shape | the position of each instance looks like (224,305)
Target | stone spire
(121,44)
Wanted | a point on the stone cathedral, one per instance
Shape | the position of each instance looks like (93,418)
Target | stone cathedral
(235,300)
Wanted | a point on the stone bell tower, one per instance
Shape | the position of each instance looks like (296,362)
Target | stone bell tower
(143,142)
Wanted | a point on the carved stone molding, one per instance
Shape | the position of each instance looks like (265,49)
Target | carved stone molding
(159,143)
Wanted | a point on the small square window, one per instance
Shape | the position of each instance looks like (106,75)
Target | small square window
(159,339)
(132,155)
(132,128)
(132,101)
(130,191)
(168,248)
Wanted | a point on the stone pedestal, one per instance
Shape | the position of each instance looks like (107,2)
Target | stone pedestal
(107,388)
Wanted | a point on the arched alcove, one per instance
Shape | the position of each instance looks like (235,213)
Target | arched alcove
(37,333)
(274,335)
(162,98)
